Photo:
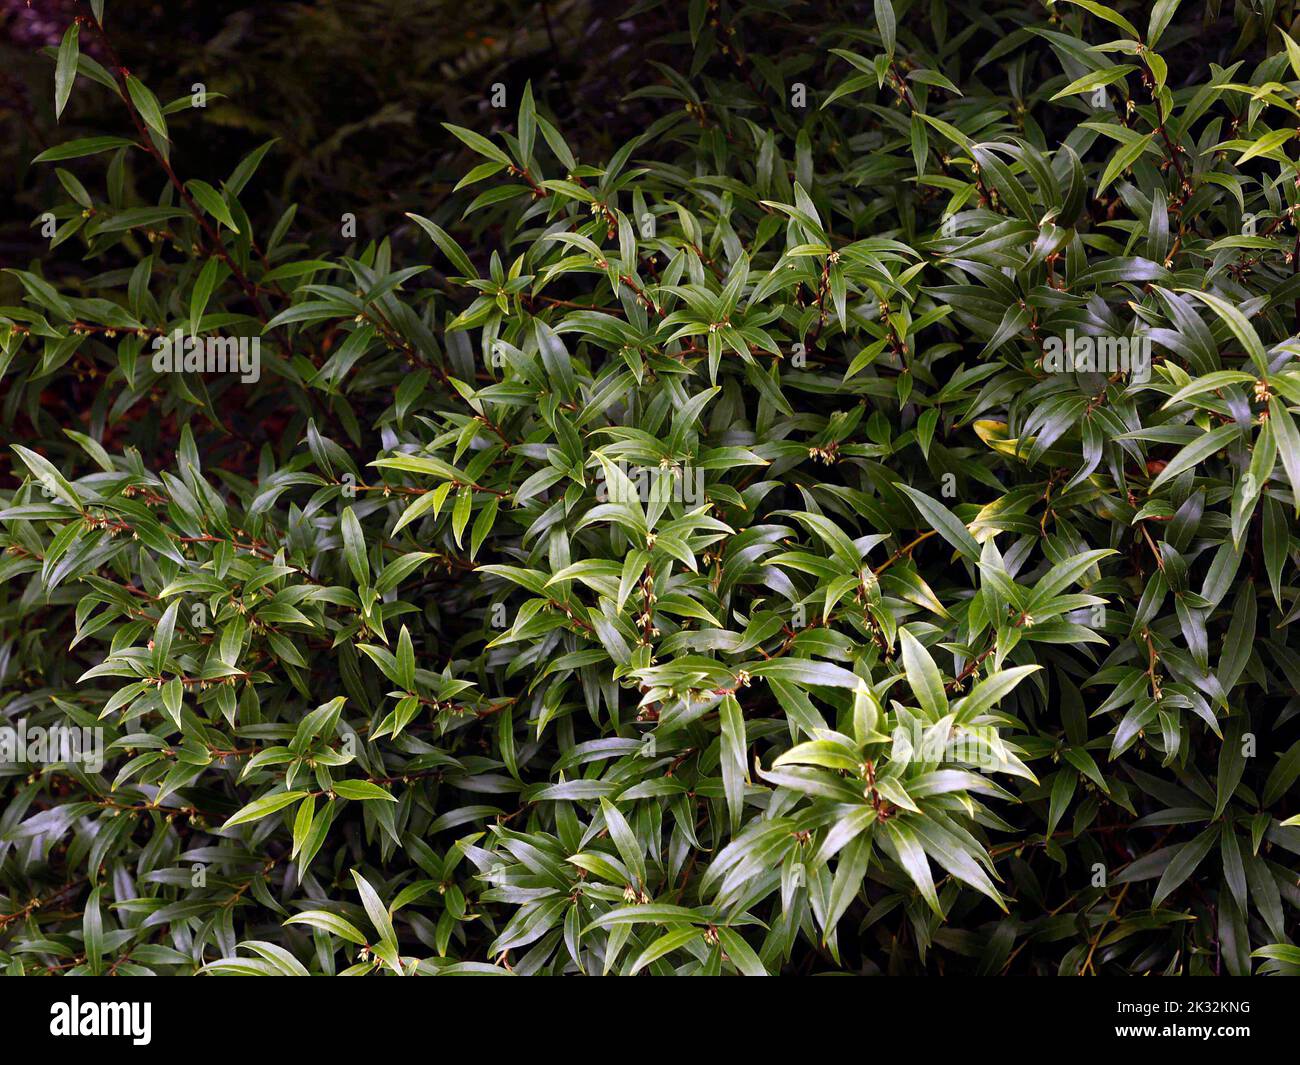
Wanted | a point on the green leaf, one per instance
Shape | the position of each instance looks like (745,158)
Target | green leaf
(146,103)
(1125,156)
(354,547)
(50,479)
(405,660)
(739,953)
(1184,864)
(377,912)
(478,143)
(65,71)
(733,745)
(1095,79)
(213,202)
(1238,323)
(624,840)
(92,933)
(449,247)
(923,676)
(1196,452)
(263,807)
(362,790)
(78,149)
(886,25)
(911,856)
(1110,15)
(943,521)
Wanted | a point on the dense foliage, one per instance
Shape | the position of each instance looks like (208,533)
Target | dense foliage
(845,525)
